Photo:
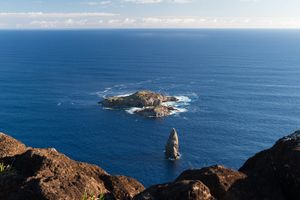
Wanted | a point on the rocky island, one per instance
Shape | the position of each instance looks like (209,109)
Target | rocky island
(45,174)
(148,103)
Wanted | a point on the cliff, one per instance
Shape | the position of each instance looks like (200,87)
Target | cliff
(29,173)
(38,174)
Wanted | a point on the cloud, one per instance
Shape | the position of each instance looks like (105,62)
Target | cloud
(57,23)
(180,1)
(169,20)
(98,3)
(56,15)
(36,20)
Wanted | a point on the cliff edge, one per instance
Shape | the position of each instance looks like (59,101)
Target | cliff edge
(32,174)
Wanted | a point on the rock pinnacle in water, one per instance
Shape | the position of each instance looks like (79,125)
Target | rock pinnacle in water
(172,146)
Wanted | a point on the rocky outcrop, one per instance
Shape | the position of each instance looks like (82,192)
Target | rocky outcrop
(139,99)
(179,190)
(45,174)
(218,178)
(37,174)
(150,103)
(156,111)
(278,168)
(172,146)
(10,146)
(272,174)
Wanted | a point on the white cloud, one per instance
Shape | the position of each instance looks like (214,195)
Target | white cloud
(113,21)
(43,24)
(129,21)
(180,1)
(56,15)
(57,23)
(34,20)
(98,3)
(169,20)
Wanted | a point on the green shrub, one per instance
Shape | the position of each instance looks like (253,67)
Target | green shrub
(3,168)
(87,196)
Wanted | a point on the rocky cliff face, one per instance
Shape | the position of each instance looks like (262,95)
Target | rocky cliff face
(37,174)
(273,174)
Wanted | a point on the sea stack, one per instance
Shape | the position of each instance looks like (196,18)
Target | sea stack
(172,147)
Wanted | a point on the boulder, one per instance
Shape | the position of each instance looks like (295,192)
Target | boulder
(45,174)
(172,146)
(278,166)
(217,178)
(10,146)
(181,190)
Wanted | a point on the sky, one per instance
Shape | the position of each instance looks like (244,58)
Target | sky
(94,14)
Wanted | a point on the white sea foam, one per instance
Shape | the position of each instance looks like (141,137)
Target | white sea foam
(107,108)
(184,99)
(124,95)
(133,110)
(180,105)
(181,110)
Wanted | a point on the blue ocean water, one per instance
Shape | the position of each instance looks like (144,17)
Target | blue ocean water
(243,87)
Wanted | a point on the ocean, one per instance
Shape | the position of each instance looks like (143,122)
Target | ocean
(240,92)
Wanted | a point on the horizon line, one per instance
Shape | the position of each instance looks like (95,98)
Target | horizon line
(151,28)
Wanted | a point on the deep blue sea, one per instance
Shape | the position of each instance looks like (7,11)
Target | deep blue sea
(243,88)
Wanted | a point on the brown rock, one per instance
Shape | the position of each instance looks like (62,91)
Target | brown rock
(150,103)
(172,146)
(46,174)
(123,187)
(278,166)
(254,188)
(10,146)
(139,99)
(181,190)
(217,178)
(156,111)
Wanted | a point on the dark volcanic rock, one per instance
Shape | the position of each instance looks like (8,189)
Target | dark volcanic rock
(172,146)
(217,178)
(278,166)
(123,187)
(150,103)
(181,190)
(254,188)
(138,99)
(38,174)
(156,111)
